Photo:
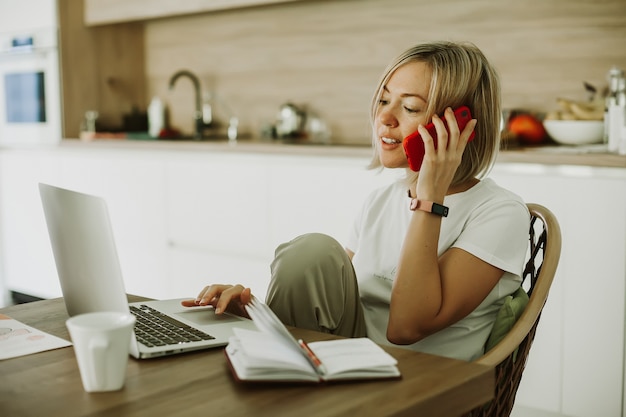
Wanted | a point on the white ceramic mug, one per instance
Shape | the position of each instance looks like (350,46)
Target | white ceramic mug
(101,344)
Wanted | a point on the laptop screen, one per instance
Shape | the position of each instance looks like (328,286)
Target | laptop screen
(84,251)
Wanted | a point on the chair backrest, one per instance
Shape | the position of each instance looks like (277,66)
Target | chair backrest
(509,356)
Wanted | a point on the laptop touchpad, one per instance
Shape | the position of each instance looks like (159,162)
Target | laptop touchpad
(205,317)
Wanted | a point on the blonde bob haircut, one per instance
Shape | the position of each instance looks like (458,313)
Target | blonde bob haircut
(461,75)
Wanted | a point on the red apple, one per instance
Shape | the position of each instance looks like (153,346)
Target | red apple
(528,129)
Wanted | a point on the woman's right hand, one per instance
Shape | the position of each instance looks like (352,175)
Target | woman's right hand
(441,164)
(230,298)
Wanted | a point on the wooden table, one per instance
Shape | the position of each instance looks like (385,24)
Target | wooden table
(199,383)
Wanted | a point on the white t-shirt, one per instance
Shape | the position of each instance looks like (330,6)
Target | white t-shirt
(487,221)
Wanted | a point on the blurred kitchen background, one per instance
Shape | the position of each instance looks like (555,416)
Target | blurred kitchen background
(326,56)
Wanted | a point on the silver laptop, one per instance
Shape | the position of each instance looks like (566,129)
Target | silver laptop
(91,280)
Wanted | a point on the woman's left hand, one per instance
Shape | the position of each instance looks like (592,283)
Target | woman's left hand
(231,298)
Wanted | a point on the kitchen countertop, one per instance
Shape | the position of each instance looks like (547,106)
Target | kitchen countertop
(548,155)
(563,155)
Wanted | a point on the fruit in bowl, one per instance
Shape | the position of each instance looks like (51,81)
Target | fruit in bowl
(576,122)
(575,132)
(527,128)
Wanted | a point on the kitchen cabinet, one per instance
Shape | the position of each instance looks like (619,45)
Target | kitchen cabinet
(132,185)
(227,213)
(218,204)
(100,12)
(28,264)
(575,367)
(186,217)
(312,194)
(217,221)
(181,219)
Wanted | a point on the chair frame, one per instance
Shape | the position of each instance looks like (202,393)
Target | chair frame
(509,356)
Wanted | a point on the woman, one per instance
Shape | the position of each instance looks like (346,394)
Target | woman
(409,276)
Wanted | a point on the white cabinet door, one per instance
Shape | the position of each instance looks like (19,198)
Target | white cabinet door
(593,333)
(132,185)
(218,202)
(319,195)
(217,221)
(27,262)
(576,363)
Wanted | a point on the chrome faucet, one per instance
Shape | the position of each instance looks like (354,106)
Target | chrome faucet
(200,122)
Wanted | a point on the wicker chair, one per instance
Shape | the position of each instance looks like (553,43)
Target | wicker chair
(509,356)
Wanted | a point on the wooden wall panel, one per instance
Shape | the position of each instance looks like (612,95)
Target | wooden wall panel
(328,55)
(102,69)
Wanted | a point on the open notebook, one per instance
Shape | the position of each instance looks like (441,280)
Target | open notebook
(272,354)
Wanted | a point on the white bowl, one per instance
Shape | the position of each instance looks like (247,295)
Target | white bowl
(575,132)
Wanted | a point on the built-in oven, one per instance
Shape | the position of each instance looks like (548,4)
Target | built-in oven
(30,103)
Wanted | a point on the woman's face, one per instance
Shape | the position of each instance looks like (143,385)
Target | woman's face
(402,107)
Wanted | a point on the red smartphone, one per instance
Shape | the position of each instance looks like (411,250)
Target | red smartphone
(414,145)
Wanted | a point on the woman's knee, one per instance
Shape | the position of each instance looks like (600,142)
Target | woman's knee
(311,251)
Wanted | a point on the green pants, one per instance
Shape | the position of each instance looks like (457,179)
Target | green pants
(313,286)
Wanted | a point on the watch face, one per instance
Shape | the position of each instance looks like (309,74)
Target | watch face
(440,210)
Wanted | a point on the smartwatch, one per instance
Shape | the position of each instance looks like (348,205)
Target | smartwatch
(429,206)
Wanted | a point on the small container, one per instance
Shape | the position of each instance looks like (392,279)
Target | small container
(290,122)
(620,124)
(88,125)
(156,117)
(616,106)
(233,130)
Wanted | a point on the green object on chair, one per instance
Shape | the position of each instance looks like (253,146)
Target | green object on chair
(508,314)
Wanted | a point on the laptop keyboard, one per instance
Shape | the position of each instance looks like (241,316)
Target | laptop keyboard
(154,328)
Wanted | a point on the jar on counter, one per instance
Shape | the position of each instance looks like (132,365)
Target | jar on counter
(616,109)
(156,117)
